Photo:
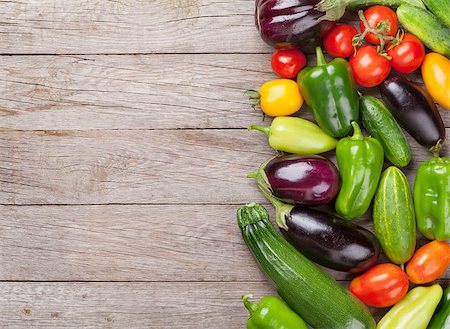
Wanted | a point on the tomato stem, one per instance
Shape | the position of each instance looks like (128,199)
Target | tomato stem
(379,31)
(254,97)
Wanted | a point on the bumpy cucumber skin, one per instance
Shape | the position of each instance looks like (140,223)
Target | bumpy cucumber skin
(441,8)
(358,4)
(394,217)
(308,290)
(381,124)
(426,27)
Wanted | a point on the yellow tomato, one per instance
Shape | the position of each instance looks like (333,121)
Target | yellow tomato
(436,76)
(280,97)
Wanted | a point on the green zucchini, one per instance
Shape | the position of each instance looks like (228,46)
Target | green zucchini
(426,27)
(309,291)
(380,123)
(358,4)
(440,8)
(393,216)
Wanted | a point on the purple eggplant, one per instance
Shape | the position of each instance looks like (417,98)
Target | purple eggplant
(326,239)
(288,23)
(331,241)
(309,180)
(414,110)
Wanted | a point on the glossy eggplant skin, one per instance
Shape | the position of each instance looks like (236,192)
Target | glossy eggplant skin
(414,110)
(288,23)
(331,241)
(309,180)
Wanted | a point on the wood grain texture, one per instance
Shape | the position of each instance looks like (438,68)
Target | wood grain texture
(136,91)
(132,26)
(168,166)
(184,305)
(126,305)
(130,243)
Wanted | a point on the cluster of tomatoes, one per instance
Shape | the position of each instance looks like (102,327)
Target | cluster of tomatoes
(370,63)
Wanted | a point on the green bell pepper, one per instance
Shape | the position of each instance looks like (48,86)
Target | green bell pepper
(296,135)
(432,198)
(414,311)
(271,313)
(330,92)
(360,160)
(441,318)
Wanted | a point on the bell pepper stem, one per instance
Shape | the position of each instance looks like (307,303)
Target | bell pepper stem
(251,307)
(320,58)
(357,134)
(265,130)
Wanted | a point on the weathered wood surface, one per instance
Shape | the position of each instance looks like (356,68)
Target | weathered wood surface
(134,92)
(150,166)
(131,26)
(120,174)
(134,305)
(129,243)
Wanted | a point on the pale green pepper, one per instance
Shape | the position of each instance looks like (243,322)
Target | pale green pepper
(296,135)
(414,311)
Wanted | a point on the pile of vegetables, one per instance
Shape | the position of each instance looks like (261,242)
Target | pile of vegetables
(316,200)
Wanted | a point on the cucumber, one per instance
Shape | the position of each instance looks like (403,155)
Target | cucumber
(309,291)
(358,4)
(380,123)
(440,8)
(393,216)
(426,27)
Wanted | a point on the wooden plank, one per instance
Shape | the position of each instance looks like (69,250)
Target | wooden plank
(135,305)
(135,92)
(129,243)
(125,305)
(133,26)
(129,92)
(97,167)
(124,243)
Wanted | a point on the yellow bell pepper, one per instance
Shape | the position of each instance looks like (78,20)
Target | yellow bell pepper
(436,76)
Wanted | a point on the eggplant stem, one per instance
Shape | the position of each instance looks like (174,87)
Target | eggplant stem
(252,174)
(436,149)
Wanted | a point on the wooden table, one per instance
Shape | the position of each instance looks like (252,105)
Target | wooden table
(123,157)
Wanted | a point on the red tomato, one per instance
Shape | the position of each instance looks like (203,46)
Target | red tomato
(369,68)
(381,286)
(429,262)
(338,42)
(287,62)
(377,16)
(408,55)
